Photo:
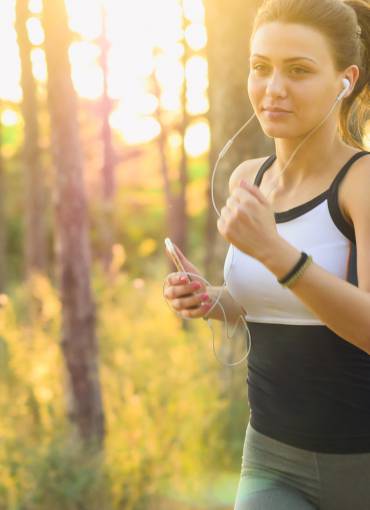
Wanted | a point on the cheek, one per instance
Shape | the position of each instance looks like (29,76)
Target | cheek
(313,103)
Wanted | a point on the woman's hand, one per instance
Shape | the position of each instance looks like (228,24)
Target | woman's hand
(187,297)
(247,221)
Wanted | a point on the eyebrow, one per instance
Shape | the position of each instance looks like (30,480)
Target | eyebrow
(292,59)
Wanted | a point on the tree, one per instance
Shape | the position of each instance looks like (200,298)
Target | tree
(229,27)
(79,342)
(108,177)
(35,238)
(181,217)
(2,215)
(174,190)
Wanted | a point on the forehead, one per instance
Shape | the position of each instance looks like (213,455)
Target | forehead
(281,41)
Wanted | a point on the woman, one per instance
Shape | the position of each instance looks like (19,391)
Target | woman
(307,443)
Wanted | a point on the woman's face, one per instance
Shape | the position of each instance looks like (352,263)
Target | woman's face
(293,82)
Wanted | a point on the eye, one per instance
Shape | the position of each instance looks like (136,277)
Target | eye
(298,71)
(260,68)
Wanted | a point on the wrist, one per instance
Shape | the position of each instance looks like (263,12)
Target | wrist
(281,258)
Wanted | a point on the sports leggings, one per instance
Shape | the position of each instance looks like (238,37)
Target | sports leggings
(277,476)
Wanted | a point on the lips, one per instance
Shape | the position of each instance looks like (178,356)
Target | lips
(274,109)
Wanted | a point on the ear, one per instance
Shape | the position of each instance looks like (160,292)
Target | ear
(351,74)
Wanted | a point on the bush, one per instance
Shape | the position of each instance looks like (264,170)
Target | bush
(165,415)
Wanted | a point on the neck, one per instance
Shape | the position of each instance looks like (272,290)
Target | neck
(318,151)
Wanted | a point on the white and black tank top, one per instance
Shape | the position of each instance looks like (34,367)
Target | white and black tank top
(306,386)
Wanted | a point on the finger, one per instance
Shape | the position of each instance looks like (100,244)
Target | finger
(235,208)
(254,190)
(232,202)
(222,227)
(192,302)
(226,212)
(173,292)
(175,279)
(178,279)
(228,215)
(245,197)
(197,313)
(170,279)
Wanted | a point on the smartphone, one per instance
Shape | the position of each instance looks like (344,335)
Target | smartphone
(175,258)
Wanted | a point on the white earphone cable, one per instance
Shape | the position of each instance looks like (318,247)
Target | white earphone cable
(221,155)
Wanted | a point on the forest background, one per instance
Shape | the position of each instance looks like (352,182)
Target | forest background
(112,114)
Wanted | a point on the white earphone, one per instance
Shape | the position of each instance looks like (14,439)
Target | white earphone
(346,87)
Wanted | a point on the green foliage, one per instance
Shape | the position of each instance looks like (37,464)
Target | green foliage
(12,136)
(65,477)
(198,169)
(164,379)
(161,395)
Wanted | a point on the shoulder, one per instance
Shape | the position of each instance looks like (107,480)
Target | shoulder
(247,170)
(354,198)
(354,193)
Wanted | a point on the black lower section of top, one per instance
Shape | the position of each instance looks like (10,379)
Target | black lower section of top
(309,388)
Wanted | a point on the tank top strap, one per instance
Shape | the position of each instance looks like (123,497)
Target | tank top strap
(333,203)
(265,166)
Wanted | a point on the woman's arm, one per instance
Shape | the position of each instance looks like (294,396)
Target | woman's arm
(343,307)
(232,309)
(247,221)
(246,170)
(340,305)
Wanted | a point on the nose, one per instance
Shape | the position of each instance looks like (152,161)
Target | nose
(275,86)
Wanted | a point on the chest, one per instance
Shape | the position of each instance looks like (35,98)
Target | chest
(257,289)
(283,201)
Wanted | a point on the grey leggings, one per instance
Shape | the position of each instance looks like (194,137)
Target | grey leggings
(277,476)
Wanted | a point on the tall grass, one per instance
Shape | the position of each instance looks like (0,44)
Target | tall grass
(165,413)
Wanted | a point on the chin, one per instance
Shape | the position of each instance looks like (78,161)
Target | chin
(278,130)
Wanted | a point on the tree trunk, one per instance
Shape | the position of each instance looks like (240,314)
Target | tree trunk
(229,25)
(35,238)
(108,178)
(175,192)
(162,146)
(2,216)
(180,205)
(79,342)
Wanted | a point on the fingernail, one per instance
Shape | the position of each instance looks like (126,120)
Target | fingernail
(196,285)
(183,279)
(204,297)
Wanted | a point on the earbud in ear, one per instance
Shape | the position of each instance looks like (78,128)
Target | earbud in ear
(346,86)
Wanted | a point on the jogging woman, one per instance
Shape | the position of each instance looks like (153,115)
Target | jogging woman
(299,261)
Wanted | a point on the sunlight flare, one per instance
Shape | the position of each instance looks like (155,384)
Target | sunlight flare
(39,68)
(9,117)
(197,138)
(87,75)
(35,6)
(196,36)
(35,31)
(142,44)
